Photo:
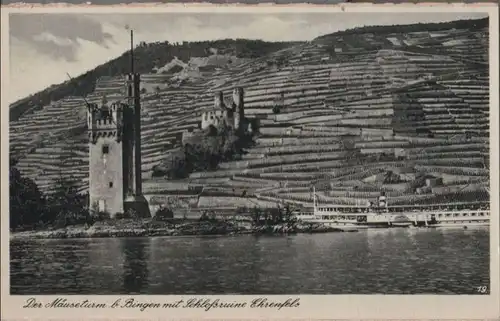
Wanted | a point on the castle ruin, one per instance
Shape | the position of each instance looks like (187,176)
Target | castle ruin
(232,116)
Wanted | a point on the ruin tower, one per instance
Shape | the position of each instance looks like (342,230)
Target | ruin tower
(119,153)
(238,100)
(218,100)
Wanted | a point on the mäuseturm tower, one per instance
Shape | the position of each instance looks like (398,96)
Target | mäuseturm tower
(115,180)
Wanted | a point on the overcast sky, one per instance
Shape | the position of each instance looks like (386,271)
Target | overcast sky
(44,47)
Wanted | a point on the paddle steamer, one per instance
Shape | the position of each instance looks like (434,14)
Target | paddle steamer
(382,215)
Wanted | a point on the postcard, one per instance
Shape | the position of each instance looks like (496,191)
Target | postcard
(250,162)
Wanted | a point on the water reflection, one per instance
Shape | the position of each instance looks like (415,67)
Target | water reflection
(75,260)
(394,261)
(135,265)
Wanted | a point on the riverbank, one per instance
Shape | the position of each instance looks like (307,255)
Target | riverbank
(148,227)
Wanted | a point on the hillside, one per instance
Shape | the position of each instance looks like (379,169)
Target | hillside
(395,110)
(149,56)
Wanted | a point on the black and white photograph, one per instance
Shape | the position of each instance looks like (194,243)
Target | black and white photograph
(250,153)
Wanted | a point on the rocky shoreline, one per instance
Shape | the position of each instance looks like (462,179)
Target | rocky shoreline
(146,228)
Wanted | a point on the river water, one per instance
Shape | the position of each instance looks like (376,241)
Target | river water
(390,261)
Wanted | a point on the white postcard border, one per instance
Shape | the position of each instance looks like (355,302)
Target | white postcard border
(311,306)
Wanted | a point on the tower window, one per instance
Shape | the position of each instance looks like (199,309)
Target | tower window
(105,149)
(110,184)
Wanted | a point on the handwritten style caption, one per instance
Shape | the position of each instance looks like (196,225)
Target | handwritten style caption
(192,303)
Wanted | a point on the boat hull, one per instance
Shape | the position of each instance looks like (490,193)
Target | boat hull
(460,225)
(406,224)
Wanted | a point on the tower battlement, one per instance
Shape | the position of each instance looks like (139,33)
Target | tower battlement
(104,123)
(105,117)
(132,85)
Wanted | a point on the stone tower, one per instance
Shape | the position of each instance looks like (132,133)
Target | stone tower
(115,176)
(239,116)
(105,123)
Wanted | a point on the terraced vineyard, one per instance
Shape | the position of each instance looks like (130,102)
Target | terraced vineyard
(410,118)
